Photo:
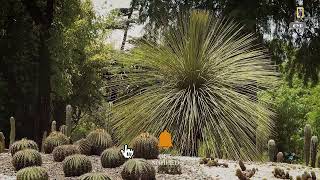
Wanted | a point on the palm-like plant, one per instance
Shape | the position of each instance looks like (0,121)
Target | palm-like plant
(207,74)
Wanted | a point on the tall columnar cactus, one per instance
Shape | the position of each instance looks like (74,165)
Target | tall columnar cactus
(111,158)
(99,140)
(61,152)
(26,158)
(145,146)
(314,150)
(84,146)
(94,176)
(12,130)
(138,169)
(2,142)
(53,126)
(271,150)
(64,129)
(69,119)
(23,144)
(33,173)
(53,140)
(307,141)
(44,137)
(76,165)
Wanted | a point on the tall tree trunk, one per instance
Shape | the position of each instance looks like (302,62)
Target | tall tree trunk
(127,25)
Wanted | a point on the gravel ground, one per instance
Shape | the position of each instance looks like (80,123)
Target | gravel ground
(191,169)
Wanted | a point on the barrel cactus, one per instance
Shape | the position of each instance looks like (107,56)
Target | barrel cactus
(145,146)
(111,158)
(84,146)
(314,150)
(53,140)
(94,176)
(271,149)
(76,165)
(138,169)
(26,158)
(23,144)
(99,140)
(307,141)
(61,152)
(2,142)
(33,173)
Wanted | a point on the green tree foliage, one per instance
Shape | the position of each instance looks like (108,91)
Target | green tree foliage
(207,73)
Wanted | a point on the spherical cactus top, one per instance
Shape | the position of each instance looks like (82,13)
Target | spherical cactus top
(61,152)
(53,140)
(111,158)
(99,140)
(33,173)
(26,158)
(138,169)
(23,144)
(76,165)
(84,146)
(94,176)
(145,146)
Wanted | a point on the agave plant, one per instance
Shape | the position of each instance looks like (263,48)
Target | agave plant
(208,73)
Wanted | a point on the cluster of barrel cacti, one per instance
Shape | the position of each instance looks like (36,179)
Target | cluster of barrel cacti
(145,146)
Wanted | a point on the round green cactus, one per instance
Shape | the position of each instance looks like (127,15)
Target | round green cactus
(61,152)
(84,146)
(99,140)
(26,158)
(53,140)
(138,169)
(145,146)
(94,176)
(33,173)
(111,158)
(23,144)
(76,165)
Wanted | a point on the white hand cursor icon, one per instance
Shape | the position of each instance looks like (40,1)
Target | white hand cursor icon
(127,152)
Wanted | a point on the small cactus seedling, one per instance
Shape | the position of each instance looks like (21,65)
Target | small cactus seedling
(53,140)
(84,146)
(99,140)
(307,143)
(53,126)
(33,173)
(271,150)
(26,158)
(111,158)
(23,144)
(280,157)
(76,165)
(138,169)
(61,152)
(12,130)
(314,150)
(2,142)
(145,146)
(94,176)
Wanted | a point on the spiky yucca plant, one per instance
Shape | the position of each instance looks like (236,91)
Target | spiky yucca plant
(111,158)
(145,146)
(61,152)
(138,169)
(99,140)
(23,144)
(26,158)
(76,165)
(53,140)
(206,73)
(33,173)
(94,176)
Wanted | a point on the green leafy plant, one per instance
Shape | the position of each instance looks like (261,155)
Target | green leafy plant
(138,169)
(61,152)
(145,146)
(33,173)
(76,165)
(99,140)
(53,140)
(111,158)
(205,74)
(26,158)
(84,146)
(94,176)
(23,144)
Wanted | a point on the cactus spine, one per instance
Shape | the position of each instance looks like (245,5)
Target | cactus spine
(2,142)
(12,130)
(314,146)
(307,141)
(69,119)
(271,149)
(53,126)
